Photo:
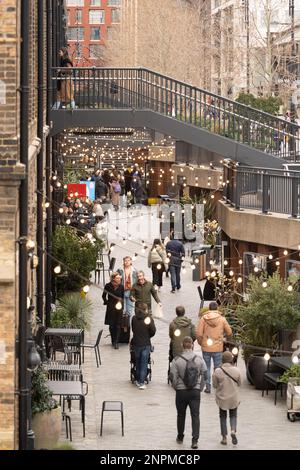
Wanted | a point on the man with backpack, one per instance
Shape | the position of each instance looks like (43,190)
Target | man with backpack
(188,374)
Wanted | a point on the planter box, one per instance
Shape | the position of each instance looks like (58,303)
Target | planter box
(47,428)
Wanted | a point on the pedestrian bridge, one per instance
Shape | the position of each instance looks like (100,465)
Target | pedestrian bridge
(138,97)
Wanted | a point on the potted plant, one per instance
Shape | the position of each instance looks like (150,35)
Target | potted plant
(73,311)
(270,307)
(292,378)
(46,421)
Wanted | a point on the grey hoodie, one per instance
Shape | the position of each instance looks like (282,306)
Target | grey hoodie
(177,370)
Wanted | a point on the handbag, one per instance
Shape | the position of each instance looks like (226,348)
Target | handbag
(157,311)
(125,321)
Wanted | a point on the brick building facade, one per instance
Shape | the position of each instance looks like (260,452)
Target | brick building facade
(89,23)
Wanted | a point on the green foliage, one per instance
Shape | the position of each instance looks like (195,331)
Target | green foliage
(268,104)
(209,206)
(73,310)
(64,446)
(73,176)
(291,372)
(41,395)
(268,310)
(77,255)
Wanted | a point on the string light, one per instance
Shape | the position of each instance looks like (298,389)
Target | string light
(267,356)
(86,289)
(147,321)
(47,204)
(255,269)
(57,269)
(231,273)
(264,284)
(209,342)
(240,261)
(119,305)
(295,359)
(225,262)
(177,332)
(285,252)
(270,256)
(235,351)
(290,288)
(239,279)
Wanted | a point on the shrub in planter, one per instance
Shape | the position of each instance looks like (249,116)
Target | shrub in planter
(73,311)
(78,254)
(46,422)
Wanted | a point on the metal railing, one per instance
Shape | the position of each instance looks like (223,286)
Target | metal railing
(140,88)
(264,190)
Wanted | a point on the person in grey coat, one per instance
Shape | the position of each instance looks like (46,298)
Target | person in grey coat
(185,396)
(227,381)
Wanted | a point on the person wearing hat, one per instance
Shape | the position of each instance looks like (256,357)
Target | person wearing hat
(226,380)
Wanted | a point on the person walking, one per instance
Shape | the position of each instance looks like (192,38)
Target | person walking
(227,381)
(188,373)
(129,277)
(114,191)
(143,329)
(65,86)
(175,251)
(179,328)
(142,291)
(157,262)
(113,295)
(210,333)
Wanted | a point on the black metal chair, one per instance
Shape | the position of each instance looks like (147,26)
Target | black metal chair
(95,347)
(112,406)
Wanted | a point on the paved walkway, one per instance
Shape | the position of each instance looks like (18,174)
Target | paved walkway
(150,415)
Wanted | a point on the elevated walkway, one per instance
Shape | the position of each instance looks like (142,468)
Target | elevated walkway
(137,97)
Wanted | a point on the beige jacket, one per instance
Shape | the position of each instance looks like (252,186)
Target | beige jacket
(227,390)
(157,255)
(212,325)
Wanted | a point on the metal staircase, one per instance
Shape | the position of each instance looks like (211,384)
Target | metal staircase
(139,97)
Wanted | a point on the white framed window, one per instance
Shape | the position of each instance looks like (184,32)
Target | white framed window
(95,33)
(96,16)
(75,3)
(113,3)
(75,34)
(115,15)
(95,3)
(96,51)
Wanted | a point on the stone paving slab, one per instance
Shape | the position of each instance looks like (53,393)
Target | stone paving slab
(150,415)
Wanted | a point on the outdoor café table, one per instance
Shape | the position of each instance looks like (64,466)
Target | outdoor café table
(58,370)
(75,335)
(69,389)
(284,362)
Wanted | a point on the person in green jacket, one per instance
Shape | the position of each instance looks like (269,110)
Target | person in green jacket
(179,328)
(142,291)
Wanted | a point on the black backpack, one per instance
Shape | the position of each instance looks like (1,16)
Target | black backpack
(191,373)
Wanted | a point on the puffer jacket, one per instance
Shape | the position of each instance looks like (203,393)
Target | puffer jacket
(186,327)
(212,325)
(157,255)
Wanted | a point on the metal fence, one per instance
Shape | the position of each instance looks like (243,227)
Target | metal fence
(262,189)
(141,88)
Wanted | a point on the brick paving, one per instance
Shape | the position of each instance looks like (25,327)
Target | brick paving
(150,415)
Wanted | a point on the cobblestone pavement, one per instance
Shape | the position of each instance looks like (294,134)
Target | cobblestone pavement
(150,415)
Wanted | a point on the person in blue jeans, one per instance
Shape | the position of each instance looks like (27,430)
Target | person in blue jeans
(143,329)
(176,253)
(210,335)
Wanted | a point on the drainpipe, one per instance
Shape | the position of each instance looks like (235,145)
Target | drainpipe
(48,167)
(40,165)
(25,434)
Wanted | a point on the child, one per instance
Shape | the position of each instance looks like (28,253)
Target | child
(227,380)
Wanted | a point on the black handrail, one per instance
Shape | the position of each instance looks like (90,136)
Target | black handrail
(141,88)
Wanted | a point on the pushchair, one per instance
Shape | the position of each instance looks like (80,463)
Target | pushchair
(133,377)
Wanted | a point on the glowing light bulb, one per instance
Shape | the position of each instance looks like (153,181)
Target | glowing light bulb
(295,359)
(82,221)
(239,279)
(267,356)
(47,204)
(211,262)
(86,289)
(213,274)
(231,273)
(277,263)
(235,351)
(60,210)
(57,269)
(255,269)
(119,305)
(225,262)
(193,266)
(270,256)
(209,342)
(264,284)
(147,321)
(207,273)
(177,332)
(158,266)
(196,260)
(240,261)
(285,252)
(68,221)
(290,288)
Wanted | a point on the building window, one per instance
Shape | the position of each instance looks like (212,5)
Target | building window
(96,51)
(109,33)
(78,50)
(75,34)
(95,34)
(95,3)
(113,3)
(96,16)
(78,17)
(115,16)
(75,3)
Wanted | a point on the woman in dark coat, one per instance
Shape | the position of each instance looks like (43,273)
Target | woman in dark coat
(113,295)
(65,86)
